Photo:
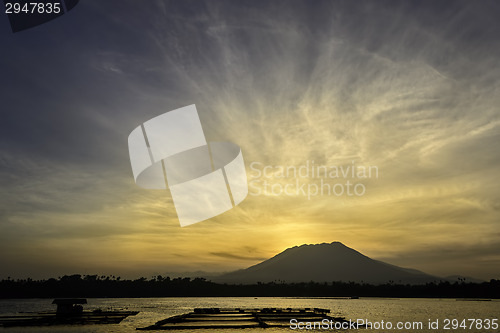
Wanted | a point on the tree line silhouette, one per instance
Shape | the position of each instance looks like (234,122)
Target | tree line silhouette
(158,286)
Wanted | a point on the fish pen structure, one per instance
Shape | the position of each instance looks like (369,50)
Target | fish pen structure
(50,318)
(69,312)
(216,318)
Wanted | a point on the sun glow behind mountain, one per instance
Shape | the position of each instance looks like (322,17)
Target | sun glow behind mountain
(411,91)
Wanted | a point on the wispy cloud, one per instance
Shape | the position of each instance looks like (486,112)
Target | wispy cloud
(412,89)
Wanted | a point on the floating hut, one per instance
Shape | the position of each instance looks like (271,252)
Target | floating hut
(69,312)
(69,306)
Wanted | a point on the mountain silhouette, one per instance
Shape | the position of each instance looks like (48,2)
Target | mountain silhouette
(325,263)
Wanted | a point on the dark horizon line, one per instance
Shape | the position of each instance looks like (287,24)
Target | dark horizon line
(93,286)
(208,275)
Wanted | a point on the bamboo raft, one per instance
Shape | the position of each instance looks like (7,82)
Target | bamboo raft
(216,318)
(69,312)
(51,318)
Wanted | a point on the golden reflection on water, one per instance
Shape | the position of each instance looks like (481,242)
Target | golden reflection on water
(368,309)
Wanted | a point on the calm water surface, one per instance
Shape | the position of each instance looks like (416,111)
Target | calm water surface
(371,309)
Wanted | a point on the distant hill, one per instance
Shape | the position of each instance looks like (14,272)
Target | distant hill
(325,263)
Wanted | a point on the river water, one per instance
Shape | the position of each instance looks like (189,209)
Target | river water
(394,312)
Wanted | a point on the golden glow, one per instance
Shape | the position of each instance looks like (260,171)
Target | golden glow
(433,137)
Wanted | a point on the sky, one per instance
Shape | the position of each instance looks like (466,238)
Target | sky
(409,87)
